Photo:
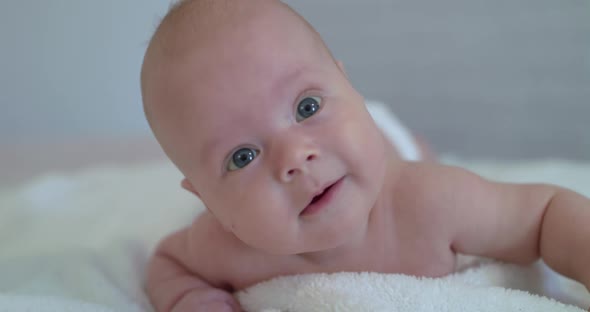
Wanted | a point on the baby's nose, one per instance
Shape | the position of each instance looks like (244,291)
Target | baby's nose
(298,167)
(295,158)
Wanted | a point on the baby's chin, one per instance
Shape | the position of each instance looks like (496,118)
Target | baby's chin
(299,250)
(294,247)
(313,246)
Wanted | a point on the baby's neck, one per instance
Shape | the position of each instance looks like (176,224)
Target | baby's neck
(378,221)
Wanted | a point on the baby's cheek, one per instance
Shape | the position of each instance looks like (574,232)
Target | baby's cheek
(268,229)
(366,145)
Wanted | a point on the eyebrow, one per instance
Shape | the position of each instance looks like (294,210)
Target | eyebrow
(286,79)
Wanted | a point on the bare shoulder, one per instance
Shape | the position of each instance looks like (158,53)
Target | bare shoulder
(445,196)
(428,172)
(205,249)
(422,196)
(434,184)
(426,186)
(214,251)
(469,210)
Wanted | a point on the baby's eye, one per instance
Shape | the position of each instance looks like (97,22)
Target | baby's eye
(307,107)
(241,158)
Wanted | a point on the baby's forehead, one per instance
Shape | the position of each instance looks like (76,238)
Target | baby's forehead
(168,74)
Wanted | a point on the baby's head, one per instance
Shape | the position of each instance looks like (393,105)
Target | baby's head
(247,101)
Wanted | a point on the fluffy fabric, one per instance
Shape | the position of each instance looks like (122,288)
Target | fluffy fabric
(466,291)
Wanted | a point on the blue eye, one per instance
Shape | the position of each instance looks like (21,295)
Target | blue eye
(307,107)
(241,158)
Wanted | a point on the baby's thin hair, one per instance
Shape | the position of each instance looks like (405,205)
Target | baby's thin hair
(182,8)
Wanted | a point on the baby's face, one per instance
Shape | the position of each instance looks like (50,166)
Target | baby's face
(275,141)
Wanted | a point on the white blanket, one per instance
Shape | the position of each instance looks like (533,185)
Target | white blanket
(477,289)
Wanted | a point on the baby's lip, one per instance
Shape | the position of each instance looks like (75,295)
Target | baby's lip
(323,188)
(321,191)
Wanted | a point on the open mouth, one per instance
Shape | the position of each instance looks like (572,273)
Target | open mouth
(322,199)
(319,196)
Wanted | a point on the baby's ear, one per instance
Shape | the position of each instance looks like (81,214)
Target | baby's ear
(186,184)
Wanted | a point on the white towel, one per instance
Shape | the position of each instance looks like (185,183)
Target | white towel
(482,288)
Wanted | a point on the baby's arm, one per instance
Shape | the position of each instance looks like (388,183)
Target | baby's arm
(172,287)
(565,235)
(511,222)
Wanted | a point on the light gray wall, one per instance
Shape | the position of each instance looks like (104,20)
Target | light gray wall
(71,67)
(495,78)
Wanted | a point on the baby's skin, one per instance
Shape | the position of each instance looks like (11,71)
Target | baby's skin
(249,104)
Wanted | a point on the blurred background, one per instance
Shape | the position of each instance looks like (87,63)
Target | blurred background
(493,79)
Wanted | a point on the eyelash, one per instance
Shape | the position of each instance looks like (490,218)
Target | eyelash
(318,99)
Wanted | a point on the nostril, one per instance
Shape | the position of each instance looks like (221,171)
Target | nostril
(310,157)
(290,172)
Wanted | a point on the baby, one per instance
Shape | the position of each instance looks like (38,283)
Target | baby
(247,101)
